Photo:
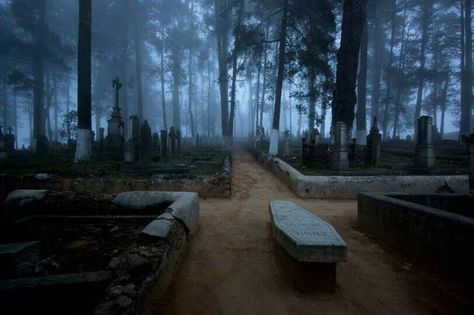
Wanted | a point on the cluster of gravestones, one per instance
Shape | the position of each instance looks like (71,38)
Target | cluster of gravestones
(7,142)
(370,153)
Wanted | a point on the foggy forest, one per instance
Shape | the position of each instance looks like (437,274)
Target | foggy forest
(223,69)
(236,157)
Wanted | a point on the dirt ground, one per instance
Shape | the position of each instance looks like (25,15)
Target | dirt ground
(230,267)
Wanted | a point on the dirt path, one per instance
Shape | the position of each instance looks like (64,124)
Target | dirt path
(230,267)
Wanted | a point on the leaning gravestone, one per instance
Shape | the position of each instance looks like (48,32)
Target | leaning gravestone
(312,246)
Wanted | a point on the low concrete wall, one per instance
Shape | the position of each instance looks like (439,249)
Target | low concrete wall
(348,187)
(207,186)
(425,233)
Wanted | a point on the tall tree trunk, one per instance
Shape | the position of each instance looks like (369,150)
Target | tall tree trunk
(162,77)
(379,46)
(388,94)
(84,132)
(312,100)
(427,7)
(209,91)
(443,104)
(38,89)
(361,130)
(222,20)
(235,57)
(176,60)
(466,81)
(190,94)
(400,72)
(257,96)
(344,100)
(138,41)
(279,85)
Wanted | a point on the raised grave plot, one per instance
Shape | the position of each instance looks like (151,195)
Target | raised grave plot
(70,253)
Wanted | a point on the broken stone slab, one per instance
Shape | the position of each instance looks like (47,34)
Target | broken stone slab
(23,196)
(160,227)
(139,200)
(304,236)
(183,205)
(19,258)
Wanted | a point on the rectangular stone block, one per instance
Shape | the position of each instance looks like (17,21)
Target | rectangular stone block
(19,258)
(304,236)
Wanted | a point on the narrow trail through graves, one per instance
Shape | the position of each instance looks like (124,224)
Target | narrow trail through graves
(230,267)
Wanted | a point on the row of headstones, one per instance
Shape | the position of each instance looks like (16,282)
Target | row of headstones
(141,140)
(424,151)
(7,142)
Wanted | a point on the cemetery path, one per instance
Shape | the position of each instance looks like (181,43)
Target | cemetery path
(230,267)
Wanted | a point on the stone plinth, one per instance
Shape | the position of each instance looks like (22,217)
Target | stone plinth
(424,152)
(340,159)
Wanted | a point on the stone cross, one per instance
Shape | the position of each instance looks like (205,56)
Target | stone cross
(470,144)
(340,159)
(424,152)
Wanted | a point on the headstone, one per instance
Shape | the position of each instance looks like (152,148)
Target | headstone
(178,141)
(164,144)
(374,140)
(145,141)
(408,138)
(3,154)
(304,236)
(101,139)
(172,136)
(470,144)
(130,152)
(340,160)
(134,129)
(155,139)
(10,141)
(115,127)
(424,152)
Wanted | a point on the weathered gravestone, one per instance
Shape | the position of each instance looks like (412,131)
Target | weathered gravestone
(10,141)
(314,247)
(286,143)
(374,140)
(172,136)
(155,139)
(340,159)
(164,144)
(145,141)
(424,152)
(101,139)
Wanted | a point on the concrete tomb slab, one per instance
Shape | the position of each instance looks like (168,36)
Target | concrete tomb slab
(304,236)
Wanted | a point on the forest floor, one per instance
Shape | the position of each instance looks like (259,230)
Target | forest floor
(230,267)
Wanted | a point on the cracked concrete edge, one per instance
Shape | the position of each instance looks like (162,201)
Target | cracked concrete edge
(348,187)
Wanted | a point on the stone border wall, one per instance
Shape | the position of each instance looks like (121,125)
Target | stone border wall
(348,187)
(207,186)
(425,233)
